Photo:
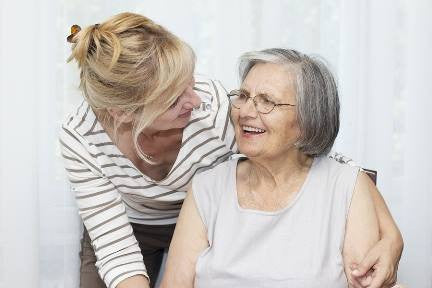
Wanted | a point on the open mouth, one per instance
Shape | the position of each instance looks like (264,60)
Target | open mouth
(249,130)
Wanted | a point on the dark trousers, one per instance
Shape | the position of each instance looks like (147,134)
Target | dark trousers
(152,239)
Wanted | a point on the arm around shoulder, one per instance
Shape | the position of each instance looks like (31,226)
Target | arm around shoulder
(387,226)
(383,258)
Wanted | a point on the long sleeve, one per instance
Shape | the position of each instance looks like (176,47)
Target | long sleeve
(103,213)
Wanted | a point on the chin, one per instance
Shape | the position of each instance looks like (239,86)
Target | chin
(182,124)
(183,121)
(249,150)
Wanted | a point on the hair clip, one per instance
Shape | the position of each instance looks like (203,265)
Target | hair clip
(74,30)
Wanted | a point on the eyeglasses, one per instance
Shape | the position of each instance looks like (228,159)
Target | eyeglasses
(261,101)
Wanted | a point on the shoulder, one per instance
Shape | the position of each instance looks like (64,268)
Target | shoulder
(364,184)
(211,91)
(77,114)
(74,141)
(209,187)
(336,167)
(82,126)
(338,175)
(213,115)
(68,135)
(216,175)
(211,183)
(209,84)
(81,121)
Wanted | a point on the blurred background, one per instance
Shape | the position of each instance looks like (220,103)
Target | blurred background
(380,52)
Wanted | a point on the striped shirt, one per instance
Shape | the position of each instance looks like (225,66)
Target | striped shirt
(111,192)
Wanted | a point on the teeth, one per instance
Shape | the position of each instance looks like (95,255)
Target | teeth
(252,129)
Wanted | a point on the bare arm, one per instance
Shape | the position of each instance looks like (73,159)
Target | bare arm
(387,226)
(362,230)
(137,281)
(189,240)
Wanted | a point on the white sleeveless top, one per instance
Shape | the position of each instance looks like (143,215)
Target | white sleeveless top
(299,246)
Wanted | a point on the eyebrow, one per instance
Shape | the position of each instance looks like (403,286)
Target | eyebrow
(270,96)
(243,91)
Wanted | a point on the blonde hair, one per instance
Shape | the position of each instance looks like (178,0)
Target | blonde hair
(131,63)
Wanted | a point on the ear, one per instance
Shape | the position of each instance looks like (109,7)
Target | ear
(120,115)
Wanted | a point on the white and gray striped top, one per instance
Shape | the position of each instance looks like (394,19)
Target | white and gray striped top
(111,192)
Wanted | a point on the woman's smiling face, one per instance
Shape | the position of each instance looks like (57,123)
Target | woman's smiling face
(267,135)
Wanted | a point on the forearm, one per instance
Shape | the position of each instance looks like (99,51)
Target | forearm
(137,281)
(182,277)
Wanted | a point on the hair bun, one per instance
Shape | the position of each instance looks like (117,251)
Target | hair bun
(74,30)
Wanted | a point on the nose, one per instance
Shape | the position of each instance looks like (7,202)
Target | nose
(192,100)
(248,109)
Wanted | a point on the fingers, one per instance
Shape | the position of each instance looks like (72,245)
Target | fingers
(355,282)
(376,270)
(359,282)
(366,264)
(378,278)
(366,280)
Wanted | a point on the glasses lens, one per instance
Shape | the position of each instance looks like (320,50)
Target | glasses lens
(237,98)
(263,104)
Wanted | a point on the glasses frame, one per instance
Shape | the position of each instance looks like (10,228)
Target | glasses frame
(236,92)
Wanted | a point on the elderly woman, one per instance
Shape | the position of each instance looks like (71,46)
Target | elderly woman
(131,148)
(285,215)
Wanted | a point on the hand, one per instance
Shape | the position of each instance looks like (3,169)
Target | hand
(378,269)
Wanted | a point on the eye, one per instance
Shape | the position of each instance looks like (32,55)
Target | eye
(265,100)
(242,95)
(173,105)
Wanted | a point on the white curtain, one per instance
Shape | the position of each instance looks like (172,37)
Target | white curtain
(384,71)
(380,51)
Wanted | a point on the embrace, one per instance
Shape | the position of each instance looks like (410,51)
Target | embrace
(262,204)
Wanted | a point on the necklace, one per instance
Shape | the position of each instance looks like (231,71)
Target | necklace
(147,157)
(143,155)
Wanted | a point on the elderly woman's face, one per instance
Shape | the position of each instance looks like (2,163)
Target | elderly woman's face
(267,135)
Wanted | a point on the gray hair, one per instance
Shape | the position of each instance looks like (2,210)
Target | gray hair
(316,95)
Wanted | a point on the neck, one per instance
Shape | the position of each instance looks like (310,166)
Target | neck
(151,134)
(155,144)
(280,169)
